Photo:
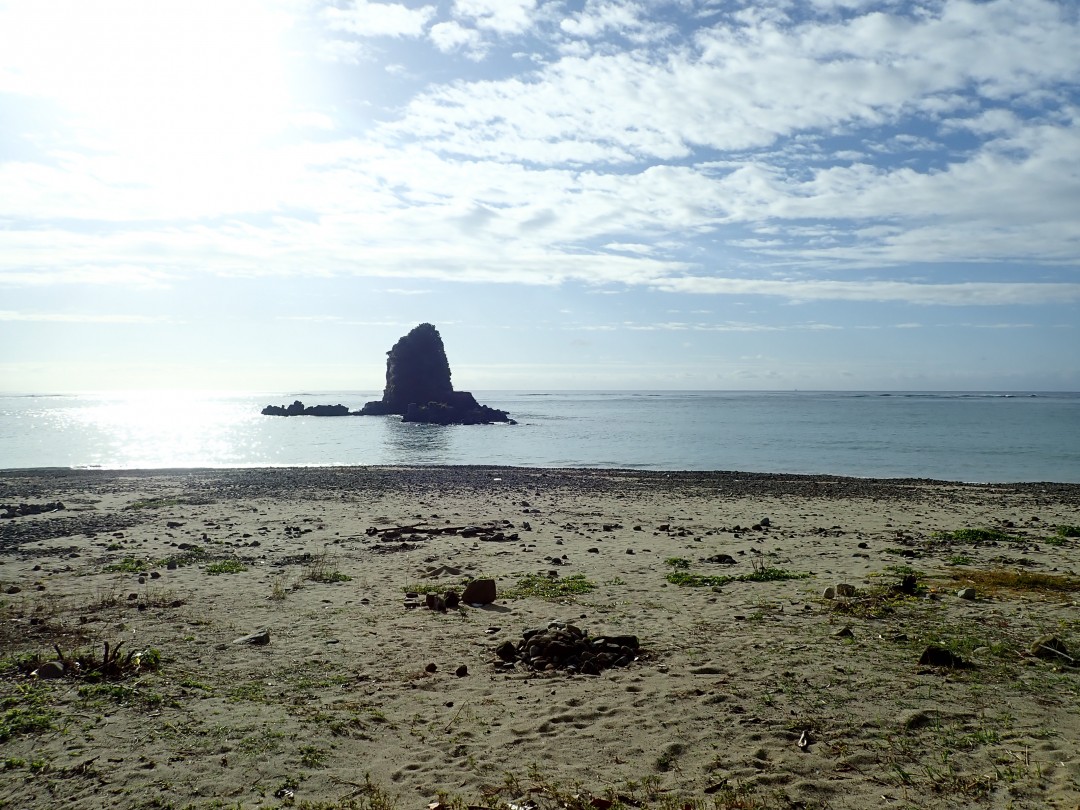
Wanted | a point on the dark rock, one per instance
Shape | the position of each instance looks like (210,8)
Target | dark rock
(298,409)
(966,593)
(20,509)
(50,670)
(432,667)
(937,656)
(721,559)
(451,599)
(418,386)
(479,592)
(435,602)
(507,651)
(461,671)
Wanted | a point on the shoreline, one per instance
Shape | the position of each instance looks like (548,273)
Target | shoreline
(662,476)
(751,686)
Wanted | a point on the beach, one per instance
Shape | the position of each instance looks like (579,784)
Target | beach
(783,625)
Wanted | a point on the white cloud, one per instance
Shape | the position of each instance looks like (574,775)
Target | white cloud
(365,18)
(601,18)
(67,317)
(502,17)
(451,36)
(746,86)
(963,294)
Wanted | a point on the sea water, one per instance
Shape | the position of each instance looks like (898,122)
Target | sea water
(950,436)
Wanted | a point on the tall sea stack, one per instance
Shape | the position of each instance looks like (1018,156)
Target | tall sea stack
(418,385)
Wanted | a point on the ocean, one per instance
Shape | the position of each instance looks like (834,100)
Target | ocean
(976,437)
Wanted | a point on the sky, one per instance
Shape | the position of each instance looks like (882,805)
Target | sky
(580,194)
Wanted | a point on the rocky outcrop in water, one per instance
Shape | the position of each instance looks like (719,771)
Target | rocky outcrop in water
(418,386)
(298,409)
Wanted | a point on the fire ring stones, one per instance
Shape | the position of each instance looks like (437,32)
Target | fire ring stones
(569,649)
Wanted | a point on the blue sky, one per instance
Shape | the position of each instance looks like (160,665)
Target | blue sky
(704,194)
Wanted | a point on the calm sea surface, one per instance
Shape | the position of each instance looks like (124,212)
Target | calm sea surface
(962,437)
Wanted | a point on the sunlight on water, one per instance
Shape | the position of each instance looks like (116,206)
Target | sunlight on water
(164,429)
(961,437)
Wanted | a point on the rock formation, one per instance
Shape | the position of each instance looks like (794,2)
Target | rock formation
(298,409)
(418,388)
(418,385)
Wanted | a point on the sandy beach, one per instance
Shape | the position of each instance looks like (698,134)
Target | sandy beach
(780,625)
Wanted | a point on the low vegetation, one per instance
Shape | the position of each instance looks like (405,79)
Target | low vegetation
(975,536)
(999,580)
(546,587)
(680,575)
(226,567)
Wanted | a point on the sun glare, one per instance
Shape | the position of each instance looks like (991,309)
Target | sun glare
(184,84)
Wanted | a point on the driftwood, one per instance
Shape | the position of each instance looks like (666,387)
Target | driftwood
(112,667)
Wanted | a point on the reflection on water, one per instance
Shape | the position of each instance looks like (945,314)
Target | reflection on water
(171,429)
(957,437)
(412,443)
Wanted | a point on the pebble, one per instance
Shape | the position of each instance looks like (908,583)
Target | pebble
(936,656)
(50,670)
(259,638)
(966,593)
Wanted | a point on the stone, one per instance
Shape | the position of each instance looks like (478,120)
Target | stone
(418,386)
(299,409)
(721,559)
(259,638)
(937,656)
(564,646)
(435,602)
(50,670)
(765,522)
(845,589)
(829,593)
(479,592)
(461,671)
(844,632)
(432,667)
(451,599)
(1051,647)
(966,593)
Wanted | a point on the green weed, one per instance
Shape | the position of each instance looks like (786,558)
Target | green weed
(25,711)
(550,587)
(226,567)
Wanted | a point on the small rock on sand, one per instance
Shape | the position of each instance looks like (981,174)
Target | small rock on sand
(479,592)
(259,638)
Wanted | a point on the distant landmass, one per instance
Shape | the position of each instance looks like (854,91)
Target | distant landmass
(418,388)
